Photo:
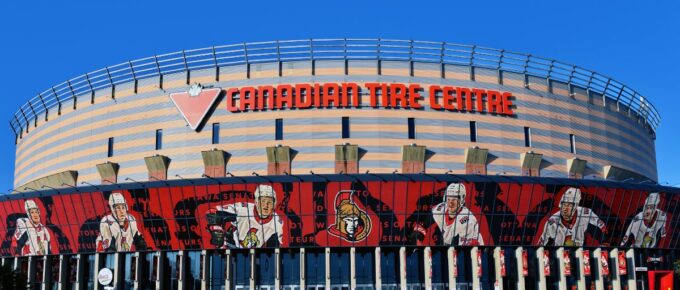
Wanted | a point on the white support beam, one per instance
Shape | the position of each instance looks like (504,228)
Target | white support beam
(80,268)
(427,265)
(378,277)
(352,268)
(562,264)
(97,267)
(252,268)
(581,282)
(475,260)
(160,264)
(499,261)
(402,267)
(138,269)
(227,274)
(630,262)
(541,272)
(31,269)
(117,270)
(328,268)
(181,266)
(206,270)
(63,260)
(47,271)
(599,283)
(614,269)
(277,269)
(519,252)
(302,269)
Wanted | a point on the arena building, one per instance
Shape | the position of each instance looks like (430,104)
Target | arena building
(339,164)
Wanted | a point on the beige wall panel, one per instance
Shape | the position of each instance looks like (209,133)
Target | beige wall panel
(264,74)
(233,76)
(427,73)
(204,79)
(174,84)
(362,70)
(329,71)
(457,76)
(395,72)
(147,89)
(486,79)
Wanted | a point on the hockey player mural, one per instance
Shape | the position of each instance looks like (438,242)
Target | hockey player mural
(118,231)
(458,226)
(568,226)
(351,222)
(31,236)
(648,226)
(337,214)
(245,224)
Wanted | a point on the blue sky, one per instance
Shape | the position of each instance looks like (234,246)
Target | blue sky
(636,42)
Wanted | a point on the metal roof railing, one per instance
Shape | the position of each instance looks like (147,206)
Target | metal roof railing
(335,49)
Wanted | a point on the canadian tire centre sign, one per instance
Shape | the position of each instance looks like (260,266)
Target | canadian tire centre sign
(195,104)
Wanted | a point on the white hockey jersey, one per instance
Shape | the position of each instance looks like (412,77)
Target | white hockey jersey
(111,231)
(31,239)
(572,234)
(464,226)
(251,230)
(646,235)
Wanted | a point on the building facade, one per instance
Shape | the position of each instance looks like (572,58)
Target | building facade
(339,164)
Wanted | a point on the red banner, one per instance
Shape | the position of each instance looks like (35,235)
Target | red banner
(502,262)
(479,263)
(546,263)
(623,269)
(331,214)
(454,258)
(525,263)
(604,262)
(586,263)
(567,263)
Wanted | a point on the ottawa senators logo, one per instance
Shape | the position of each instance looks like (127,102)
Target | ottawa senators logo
(351,222)
(250,240)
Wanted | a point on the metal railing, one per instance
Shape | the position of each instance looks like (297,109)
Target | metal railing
(625,98)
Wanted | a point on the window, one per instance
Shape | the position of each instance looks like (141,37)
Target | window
(279,129)
(315,267)
(216,133)
(240,268)
(572,143)
(130,262)
(171,269)
(340,265)
(290,268)
(217,263)
(389,267)
(345,127)
(411,128)
(110,148)
(416,276)
(265,267)
(365,267)
(473,131)
(194,271)
(159,139)
(88,263)
(527,137)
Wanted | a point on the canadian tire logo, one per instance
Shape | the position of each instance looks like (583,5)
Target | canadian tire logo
(195,103)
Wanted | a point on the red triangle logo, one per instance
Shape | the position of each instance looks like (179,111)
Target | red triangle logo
(195,108)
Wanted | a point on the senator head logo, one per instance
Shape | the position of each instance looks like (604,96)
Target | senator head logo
(351,222)
(195,103)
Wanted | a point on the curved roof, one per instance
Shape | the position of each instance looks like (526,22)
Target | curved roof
(626,99)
